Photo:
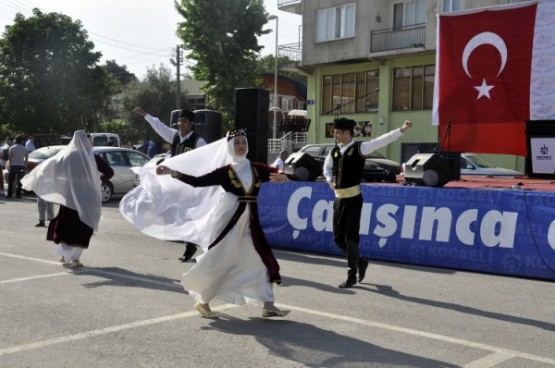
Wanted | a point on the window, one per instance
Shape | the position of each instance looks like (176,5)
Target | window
(409,13)
(351,92)
(413,88)
(136,159)
(451,5)
(335,23)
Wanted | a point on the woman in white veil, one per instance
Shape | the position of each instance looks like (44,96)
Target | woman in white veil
(71,179)
(213,203)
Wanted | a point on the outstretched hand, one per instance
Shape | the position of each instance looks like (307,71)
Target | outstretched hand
(277,177)
(163,170)
(139,111)
(406,125)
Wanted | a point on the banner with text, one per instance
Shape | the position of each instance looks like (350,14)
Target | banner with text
(510,232)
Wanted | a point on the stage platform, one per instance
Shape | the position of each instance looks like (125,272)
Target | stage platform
(524,183)
(495,225)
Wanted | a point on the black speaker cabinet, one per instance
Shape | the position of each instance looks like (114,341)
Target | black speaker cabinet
(251,114)
(208,124)
(433,169)
(303,167)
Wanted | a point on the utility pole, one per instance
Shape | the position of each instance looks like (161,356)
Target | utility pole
(177,63)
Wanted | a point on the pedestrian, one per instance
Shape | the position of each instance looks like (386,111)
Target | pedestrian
(343,169)
(279,163)
(71,179)
(30,144)
(4,154)
(46,211)
(17,161)
(238,265)
(182,140)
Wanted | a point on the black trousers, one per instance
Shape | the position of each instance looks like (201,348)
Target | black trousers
(346,227)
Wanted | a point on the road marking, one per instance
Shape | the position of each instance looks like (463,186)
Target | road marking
(489,360)
(29,258)
(104,331)
(499,354)
(35,277)
(408,331)
(88,269)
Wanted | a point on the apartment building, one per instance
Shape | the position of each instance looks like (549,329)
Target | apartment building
(374,61)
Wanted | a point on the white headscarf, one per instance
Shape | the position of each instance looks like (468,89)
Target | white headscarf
(70,178)
(168,209)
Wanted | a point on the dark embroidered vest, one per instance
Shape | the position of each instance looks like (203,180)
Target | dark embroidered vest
(188,144)
(348,168)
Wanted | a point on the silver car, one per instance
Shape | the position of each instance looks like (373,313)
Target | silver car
(474,165)
(120,159)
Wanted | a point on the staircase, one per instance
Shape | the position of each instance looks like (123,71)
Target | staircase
(290,141)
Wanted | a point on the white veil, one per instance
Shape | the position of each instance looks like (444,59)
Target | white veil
(70,178)
(167,208)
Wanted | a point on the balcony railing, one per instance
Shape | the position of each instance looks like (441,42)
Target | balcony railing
(398,38)
(287,2)
(293,51)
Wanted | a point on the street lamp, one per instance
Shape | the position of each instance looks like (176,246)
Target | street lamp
(271,17)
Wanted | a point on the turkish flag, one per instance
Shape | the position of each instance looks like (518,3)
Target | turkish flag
(483,78)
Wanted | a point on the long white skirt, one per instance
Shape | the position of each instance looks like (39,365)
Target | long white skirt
(231,271)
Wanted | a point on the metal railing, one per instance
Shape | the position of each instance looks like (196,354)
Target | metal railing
(291,139)
(398,38)
(293,51)
(287,2)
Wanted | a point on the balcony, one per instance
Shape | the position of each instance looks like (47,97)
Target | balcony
(398,38)
(293,51)
(290,6)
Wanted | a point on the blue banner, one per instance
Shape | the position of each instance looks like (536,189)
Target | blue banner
(509,232)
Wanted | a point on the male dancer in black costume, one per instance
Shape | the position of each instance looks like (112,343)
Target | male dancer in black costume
(343,171)
(182,139)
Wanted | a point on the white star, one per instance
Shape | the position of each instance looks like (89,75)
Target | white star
(484,90)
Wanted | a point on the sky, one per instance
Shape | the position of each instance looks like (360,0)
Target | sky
(139,34)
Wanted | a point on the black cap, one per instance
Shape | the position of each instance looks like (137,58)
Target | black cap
(187,114)
(344,124)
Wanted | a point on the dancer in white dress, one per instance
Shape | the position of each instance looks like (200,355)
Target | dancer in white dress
(238,265)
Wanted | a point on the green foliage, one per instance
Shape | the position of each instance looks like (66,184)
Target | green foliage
(49,78)
(266,64)
(119,72)
(156,94)
(221,36)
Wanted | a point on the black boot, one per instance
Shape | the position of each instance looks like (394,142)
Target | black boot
(190,250)
(362,266)
(40,224)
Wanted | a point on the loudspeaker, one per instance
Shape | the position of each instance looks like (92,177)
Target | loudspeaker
(208,124)
(251,114)
(174,116)
(301,166)
(433,169)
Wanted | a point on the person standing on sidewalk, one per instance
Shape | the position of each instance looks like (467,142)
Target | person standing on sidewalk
(343,169)
(182,140)
(17,161)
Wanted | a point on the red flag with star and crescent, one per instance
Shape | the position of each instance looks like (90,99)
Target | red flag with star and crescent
(483,77)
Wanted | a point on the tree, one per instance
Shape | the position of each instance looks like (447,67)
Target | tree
(221,36)
(50,81)
(266,65)
(156,95)
(119,72)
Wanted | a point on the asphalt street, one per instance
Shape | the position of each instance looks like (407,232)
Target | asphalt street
(126,308)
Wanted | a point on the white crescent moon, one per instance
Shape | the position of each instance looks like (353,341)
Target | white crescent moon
(485,38)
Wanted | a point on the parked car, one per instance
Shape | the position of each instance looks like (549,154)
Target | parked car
(120,159)
(376,166)
(474,165)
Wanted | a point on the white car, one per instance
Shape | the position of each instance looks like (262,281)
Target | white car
(474,165)
(122,160)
